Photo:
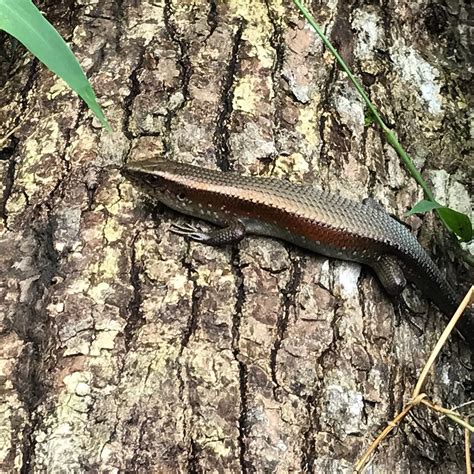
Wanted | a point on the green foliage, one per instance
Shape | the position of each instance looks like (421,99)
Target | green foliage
(456,221)
(21,19)
(422,207)
(369,118)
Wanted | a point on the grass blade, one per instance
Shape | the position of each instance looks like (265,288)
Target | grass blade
(21,19)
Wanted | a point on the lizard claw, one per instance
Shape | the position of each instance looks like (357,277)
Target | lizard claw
(183,229)
(188,230)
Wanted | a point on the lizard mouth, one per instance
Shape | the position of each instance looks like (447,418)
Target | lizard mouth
(135,176)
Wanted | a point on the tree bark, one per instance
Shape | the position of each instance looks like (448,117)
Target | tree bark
(125,348)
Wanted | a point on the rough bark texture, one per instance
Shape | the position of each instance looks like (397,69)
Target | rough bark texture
(125,348)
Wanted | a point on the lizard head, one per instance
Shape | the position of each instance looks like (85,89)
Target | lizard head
(173,184)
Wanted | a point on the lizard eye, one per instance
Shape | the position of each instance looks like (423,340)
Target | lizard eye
(181,196)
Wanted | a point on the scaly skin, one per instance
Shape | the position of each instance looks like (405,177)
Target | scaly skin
(317,220)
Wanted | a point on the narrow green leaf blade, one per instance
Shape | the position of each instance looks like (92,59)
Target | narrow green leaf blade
(21,19)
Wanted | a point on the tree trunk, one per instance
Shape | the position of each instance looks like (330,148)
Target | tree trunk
(125,348)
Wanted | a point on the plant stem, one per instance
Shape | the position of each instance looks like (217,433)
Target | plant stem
(390,136)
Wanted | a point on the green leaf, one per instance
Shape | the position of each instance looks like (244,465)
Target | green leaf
(423,206)
(456,221)
(369,118)
(21,19)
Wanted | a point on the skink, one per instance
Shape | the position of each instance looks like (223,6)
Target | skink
(317,220)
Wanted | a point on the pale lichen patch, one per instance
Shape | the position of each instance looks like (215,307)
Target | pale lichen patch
(8,385)
(60,434)
(77,346)
(207,276)
(6,430)
(293,166)
(160,271)
(308,125)
(151,15)
(108,319)
(113,231)
(258,31)
(55,308)
(78,286)
(72,382)
(253,142)
(348,277)
(35,148)
(344,404)
(350,109)
(108,265)
(176,287)
(245,98)
(417,72)
(366,23)
(103,340)
(99,292)
(15,205)
(37,175)
(57,88)
(450,192)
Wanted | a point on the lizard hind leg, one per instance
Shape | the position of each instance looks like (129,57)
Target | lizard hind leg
(390,274)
